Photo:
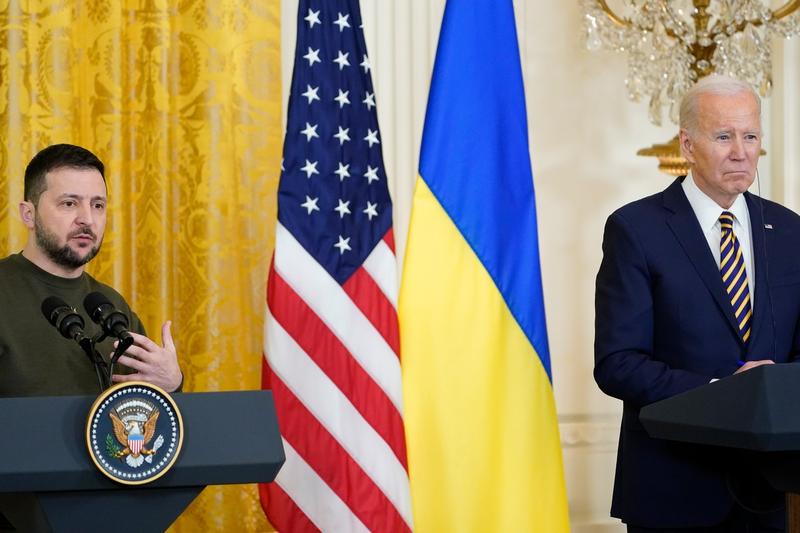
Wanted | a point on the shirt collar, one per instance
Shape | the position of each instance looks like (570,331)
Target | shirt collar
(707,210)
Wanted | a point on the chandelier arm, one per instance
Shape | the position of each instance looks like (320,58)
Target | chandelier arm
(716,29)
(613,17)
(738,27)
(787,9)
(782,12)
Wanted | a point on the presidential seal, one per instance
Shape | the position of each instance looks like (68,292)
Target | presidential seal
(134,432)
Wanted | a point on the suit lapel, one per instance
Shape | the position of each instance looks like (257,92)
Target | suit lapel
(761,300)
(686,228)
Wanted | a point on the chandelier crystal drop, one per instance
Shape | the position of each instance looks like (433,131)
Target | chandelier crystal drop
(673,43)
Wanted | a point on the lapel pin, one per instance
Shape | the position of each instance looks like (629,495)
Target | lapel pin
(768,226)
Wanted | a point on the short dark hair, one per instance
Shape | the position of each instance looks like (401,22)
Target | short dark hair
(54,157)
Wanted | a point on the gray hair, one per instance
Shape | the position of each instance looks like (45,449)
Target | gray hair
(715,84)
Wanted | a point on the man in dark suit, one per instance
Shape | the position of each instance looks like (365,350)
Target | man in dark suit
(697,282)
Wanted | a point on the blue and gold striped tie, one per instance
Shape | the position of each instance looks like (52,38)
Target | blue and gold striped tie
(734,275)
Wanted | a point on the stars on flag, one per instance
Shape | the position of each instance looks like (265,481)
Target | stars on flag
(310,168)
(342,135)
(312,18)
(341,60)
(312,93)
(342,98)
(336,225)
(371,210)
(312,56)
(343,208)
(335,137)
(311,204)
(343,171)
(372,137)
(310,132)
(371,174)
(343,245)
(342,22)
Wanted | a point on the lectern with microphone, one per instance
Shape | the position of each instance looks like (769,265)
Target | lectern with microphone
(48,481)
(757,413)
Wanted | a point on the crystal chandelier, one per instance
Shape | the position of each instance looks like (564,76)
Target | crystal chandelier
(673,43)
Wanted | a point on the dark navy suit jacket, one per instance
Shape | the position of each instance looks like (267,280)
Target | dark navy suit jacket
(664,325)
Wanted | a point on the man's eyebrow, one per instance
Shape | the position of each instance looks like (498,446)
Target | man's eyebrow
(77,196)
(729,131)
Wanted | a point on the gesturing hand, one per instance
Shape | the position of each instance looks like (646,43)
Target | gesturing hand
(152,363)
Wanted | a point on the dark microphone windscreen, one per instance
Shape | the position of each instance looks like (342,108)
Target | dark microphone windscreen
(94,300)
(50,304)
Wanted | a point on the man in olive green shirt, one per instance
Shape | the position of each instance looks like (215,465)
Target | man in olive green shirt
(65,213)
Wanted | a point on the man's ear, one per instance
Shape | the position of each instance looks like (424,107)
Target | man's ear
(27,212)
(687,148)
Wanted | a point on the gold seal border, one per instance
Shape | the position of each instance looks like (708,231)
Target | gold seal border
(102,398)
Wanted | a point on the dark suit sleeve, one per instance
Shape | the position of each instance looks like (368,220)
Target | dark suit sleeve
(625,365)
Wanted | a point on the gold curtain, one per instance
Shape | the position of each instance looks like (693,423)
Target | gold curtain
(181,100)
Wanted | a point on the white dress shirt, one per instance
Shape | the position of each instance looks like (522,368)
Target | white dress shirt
(708,211)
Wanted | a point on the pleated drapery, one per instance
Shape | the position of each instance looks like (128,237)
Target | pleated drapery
(181,100)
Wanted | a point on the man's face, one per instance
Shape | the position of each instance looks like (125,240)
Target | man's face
(70,218)
(723,152)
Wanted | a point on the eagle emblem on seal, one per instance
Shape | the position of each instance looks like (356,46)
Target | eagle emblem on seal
(134,424)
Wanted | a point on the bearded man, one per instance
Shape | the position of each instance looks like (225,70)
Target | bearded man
(65,211)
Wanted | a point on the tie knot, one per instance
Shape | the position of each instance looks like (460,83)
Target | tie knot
(726,220)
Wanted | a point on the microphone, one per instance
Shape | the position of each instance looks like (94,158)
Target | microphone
(64,318)
(114,323)
(70,324)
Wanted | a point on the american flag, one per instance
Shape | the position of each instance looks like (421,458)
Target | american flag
(331,333)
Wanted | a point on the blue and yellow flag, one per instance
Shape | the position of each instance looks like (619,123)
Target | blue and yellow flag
(481,427)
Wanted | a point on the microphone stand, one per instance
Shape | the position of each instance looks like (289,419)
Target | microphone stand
(122,347)
(100,366)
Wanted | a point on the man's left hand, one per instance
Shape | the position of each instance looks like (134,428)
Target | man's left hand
(152,363)
(753,364)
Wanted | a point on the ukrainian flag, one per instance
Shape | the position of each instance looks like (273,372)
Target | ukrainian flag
(481,427)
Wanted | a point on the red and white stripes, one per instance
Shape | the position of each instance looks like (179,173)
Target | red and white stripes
(332,363)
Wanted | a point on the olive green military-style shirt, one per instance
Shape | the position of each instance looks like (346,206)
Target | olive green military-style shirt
(35,359)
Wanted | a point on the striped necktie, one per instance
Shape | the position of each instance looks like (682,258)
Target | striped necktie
(734,275)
